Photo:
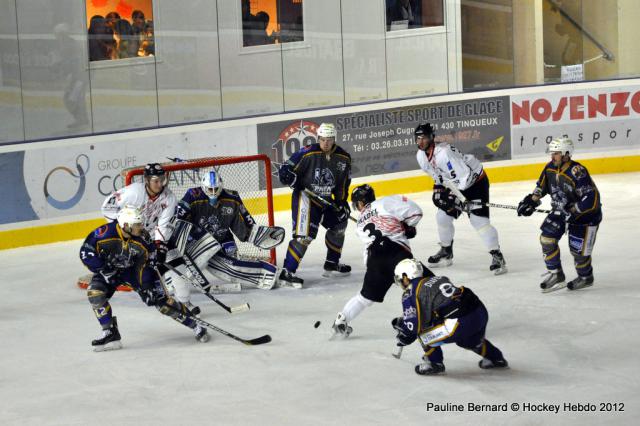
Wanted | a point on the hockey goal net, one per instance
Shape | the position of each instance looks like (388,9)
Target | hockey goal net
(250,176)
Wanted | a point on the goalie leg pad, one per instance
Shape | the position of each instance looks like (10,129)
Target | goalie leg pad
(203,249)
(180,235)
(266,237)
(261,274)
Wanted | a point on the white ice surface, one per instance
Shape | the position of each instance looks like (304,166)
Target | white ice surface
(563,347)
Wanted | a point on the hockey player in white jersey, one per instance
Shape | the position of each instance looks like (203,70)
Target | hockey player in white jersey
(154,199)
(385,226)
(457,175)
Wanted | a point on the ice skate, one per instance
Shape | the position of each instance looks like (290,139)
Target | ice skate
(554,280)
(444,257)
(487,364)
(110,339)
(201,334)
(333,269)
(225,288)
(580,282)
(195,310)
(288,279)
(498,264)
(340,326)
(428,368)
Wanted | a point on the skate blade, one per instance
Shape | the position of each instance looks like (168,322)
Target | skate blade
(288,284)
(225,288)
(500,271)
(335,274)
(441,264)
(555,287)
(578,287)
(111,346)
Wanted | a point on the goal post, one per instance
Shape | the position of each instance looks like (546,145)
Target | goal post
(249,175)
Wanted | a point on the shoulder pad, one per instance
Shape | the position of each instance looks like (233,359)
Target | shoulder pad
(101,231)
(342,151)
(229,194)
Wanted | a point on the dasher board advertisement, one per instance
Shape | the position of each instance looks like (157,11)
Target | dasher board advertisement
(596,119)
(382,141)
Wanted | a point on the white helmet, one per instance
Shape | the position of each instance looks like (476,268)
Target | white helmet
(327,130)
(561,144)
(129,215)
(211,184)
(411,268)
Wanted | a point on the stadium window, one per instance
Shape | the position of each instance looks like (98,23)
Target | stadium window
(119,29)
(266,22)
(411,14)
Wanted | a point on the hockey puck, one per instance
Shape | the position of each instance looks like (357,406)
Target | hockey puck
(317,324)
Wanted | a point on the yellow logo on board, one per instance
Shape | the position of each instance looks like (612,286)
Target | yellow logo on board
(494,145)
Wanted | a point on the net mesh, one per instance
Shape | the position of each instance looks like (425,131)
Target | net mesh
(250,176)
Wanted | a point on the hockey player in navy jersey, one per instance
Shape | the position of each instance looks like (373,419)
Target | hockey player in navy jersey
(122,251)
(437,312)
(325,169)
(575,202)
(208,217)
(385,226)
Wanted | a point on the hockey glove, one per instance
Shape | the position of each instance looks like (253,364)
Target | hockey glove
(443,198)
(409,231)
(343,211)
(287,176)
(396,323)
(161,252)
(151,297)
(527,206)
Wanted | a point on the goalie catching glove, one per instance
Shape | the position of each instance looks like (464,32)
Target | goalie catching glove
(266,237)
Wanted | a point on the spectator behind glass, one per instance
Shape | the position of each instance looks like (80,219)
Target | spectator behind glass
(100,39)
(248,23)
(112,18)
(259,34)
(147,46)
(137,26)
(123,34)
(399,11)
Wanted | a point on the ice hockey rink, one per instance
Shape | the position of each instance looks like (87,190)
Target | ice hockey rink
(563,348)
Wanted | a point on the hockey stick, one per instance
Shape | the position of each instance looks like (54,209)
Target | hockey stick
(324,202)
(473,204)
(476,204)
(249,342)
(196,283)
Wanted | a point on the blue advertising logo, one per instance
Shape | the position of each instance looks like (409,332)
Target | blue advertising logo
(67,204)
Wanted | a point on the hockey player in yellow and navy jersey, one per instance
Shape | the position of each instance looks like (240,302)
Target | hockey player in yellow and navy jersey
(324,168)
(575,202)
(122,251)
(437,312)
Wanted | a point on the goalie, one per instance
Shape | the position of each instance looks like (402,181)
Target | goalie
(206,220)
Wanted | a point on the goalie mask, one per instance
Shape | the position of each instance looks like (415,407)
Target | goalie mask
(211,184)
(410,268)
(130,220)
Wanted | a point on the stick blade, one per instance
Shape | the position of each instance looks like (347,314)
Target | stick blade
(240,308)
(258,340)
